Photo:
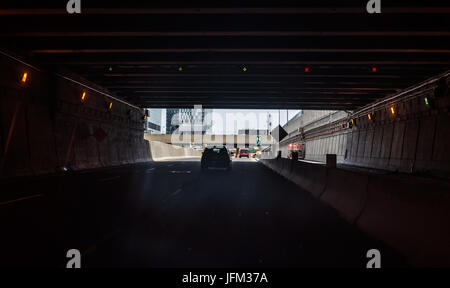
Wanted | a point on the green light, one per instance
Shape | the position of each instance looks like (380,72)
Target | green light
(110,69)
(180,69)
(426,100)
(245,69)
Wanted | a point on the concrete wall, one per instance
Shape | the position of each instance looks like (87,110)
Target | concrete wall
(45,126)
(311,119)
(319,146)
(163,151)
(415,139)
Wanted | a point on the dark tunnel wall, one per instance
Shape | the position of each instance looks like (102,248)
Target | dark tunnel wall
(46,126)
(413,139)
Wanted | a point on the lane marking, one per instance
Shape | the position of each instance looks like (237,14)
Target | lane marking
(169,196)
(109,179)
(21,199)
(148,171)
(181,172)
(177,192)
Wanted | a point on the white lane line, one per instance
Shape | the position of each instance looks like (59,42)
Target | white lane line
(109,179)
(21,199)
(149,171)
(167,198)
(181,172)
(177,192)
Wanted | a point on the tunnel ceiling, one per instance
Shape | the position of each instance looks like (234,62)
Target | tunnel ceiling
(297,55)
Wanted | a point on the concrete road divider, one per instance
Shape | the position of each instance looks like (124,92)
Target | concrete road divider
(310,177)
(284,167)
(346,191)
(280,165)
(412,215)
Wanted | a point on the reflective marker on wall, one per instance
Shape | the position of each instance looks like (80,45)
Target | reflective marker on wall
(24,77)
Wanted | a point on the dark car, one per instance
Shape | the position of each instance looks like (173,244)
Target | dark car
(244,153)
(216,158)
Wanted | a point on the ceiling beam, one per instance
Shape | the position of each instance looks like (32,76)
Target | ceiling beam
(287,62)
(226,11)
(237,50)
(225,34)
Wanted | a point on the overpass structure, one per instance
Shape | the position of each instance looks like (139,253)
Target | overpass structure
(76,171)
(264,55)
(211,140)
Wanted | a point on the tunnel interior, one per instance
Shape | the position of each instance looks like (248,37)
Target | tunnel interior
(361,163)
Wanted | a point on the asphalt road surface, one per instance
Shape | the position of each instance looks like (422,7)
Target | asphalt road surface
(170,214)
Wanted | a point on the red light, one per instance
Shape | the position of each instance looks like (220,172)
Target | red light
(306,69)
(374,69)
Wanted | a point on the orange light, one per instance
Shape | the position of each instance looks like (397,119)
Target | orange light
(369,116)
(83,98)
(110,105)
(392,110)
(24,77)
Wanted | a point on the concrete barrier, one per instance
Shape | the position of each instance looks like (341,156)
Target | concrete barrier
(310,177)
(162,151)
(412,215)
(287,169)
(269,163)
(281,166)
(346,191)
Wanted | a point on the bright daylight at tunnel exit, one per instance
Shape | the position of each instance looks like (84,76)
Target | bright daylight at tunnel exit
(245,139)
